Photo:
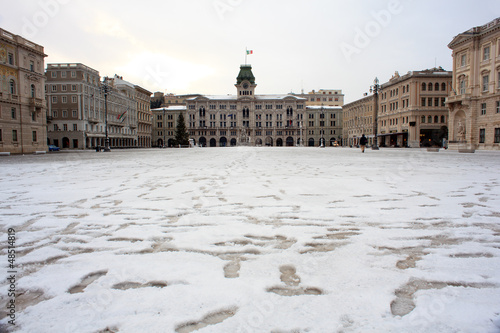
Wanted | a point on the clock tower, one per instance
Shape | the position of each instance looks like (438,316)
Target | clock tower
(245,82)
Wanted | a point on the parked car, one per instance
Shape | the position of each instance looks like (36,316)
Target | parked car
(54,148)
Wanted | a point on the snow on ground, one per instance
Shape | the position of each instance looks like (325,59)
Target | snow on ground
(253,240)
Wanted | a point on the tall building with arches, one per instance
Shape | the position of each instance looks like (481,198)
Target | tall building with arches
(23,118)
(474,101)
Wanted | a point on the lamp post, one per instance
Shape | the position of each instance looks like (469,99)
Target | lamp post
(375,88)
(106,90)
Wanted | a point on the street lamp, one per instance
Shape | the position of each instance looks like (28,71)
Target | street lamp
(375,88)
(106,90)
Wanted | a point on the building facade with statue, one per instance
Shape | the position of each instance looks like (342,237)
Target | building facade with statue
(474,102)
(23,110)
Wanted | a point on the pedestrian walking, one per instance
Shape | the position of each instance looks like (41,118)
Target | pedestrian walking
(362,142)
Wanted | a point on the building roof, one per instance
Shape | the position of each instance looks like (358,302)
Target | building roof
(245,74)
(474,32)
(256,97)
(171,108)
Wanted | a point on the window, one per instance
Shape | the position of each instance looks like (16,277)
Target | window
(436,119)
(75,127)
(65,99)
(64,87)
(486,79)
(463,60)
(436,86)
(74,99)
(13,113)
(443,119)
(73,74)
(14,135)
(482,134)
(33,91)
(496,140)
(436,101)
(498,106)
(63,74)
(422,119)
(443,86)
(483,109)
(65,114)
(11,58)
(33,116)
(443,101)
(53,74)
(429,119)
(12,84)
(75,113)
(424,86)
(73,87)
(430,86)
(65,127)
(33,136)
(32,68)
(1,139)
(423,101)
(486,53)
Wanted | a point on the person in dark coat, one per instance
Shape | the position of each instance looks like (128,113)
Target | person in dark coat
(362,142)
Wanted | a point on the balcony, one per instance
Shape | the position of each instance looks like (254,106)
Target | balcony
(462,99)
(36,102)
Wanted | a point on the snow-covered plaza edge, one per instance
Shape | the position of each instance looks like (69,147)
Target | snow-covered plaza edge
(251,239)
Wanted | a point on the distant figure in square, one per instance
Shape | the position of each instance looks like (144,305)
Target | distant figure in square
(362,142)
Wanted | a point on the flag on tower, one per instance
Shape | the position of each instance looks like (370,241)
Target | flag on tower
(249,51)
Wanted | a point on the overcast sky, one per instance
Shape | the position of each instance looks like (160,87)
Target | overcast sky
(197,46)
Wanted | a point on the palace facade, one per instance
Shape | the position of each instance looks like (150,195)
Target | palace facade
(474,102)
(259,120)
(23,111)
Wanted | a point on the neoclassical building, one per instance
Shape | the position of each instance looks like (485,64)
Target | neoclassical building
(358,118)
(407,111)
(412,110)
(23,111)
(474,102)
(164,125)
(247,118)
(77,111)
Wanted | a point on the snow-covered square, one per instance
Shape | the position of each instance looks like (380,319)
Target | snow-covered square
(252,239)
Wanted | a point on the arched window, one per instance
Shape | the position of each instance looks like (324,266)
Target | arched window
(436,87)
(436,119)
(443,119)
(12,84)
(430,86)
(422,119)
(33,91)
(424,86)
(443,86)
(429,119)
(462,86)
